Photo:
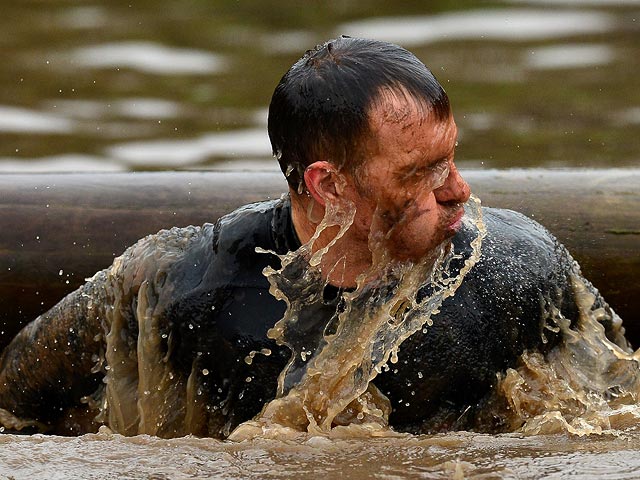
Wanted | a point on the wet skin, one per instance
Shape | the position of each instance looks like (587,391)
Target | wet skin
(408,191)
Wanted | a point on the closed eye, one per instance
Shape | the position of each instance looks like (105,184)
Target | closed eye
(439,173)
(429,176)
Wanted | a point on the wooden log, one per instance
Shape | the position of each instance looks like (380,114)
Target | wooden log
(58,229)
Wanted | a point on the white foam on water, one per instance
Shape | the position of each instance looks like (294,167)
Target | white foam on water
(497,24)
(150,57)
(138,108)
(59,163)
(569,56)
(23,120)
(592,3)
(287,41)
(236,143)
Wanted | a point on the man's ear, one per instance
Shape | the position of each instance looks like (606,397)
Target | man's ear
(324,182)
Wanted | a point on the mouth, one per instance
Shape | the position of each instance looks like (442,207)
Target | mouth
(455,222)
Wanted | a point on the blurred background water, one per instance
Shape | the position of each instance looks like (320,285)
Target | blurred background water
(185,85)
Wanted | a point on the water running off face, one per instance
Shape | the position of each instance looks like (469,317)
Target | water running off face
(327,381)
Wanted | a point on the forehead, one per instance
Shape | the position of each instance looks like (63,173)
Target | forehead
(403,130)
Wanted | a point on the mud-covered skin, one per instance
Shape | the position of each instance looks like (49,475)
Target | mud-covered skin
(215,309)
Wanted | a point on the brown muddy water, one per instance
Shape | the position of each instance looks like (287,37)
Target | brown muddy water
(447,456)
(90,86)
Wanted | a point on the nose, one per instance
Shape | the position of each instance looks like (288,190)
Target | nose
(454,189)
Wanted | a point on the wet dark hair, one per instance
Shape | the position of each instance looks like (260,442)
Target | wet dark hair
(319,110)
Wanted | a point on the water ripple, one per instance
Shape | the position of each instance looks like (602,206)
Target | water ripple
(59,163)
(15,119)
(240,143)
(150,57)
(581,3)
(497,24)
(569,56)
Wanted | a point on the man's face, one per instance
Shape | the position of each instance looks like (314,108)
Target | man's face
(408,192)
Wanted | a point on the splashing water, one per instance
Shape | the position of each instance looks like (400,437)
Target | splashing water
(144,393)
(587,384)
(328,385)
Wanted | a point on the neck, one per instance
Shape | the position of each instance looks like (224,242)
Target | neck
(345,260)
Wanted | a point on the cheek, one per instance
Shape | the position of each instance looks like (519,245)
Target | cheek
(364,221)
(406,209)
(421,204)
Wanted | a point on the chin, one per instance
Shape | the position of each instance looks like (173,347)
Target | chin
(422,255)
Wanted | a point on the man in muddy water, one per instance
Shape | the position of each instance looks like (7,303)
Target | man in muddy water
(398,310)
